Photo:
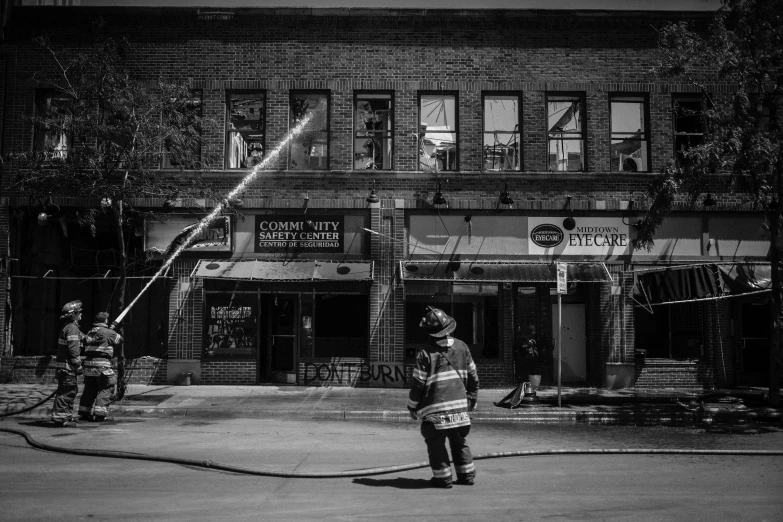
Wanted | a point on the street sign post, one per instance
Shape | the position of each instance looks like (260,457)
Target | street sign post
(562,288)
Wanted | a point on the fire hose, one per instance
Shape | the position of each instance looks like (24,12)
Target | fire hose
(374,471)
(359,472)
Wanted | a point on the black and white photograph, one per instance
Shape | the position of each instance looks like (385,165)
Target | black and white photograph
(362,260)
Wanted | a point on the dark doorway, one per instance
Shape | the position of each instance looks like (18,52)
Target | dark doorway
(755,330)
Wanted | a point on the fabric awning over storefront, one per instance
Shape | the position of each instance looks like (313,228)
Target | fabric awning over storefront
(677,284)
(293,271)
(500,272)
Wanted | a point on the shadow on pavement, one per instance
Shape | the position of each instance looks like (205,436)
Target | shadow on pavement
(399,483)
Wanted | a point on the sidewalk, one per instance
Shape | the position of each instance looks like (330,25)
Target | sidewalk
(590,405)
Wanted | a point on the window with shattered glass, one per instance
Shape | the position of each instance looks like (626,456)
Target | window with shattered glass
(501,147)
(245,129)
(373,129)
(189,155)
(51,110)
(438,126)
(629,149)
(566,132)
(309,149)
(688,122)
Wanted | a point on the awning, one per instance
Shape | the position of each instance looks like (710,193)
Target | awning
(500,272)
(302,271)
(698,282)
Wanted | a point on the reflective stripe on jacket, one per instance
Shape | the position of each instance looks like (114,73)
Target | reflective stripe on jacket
(69,347)
(439,391)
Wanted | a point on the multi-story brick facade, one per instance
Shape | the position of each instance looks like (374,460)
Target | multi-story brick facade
(492,282)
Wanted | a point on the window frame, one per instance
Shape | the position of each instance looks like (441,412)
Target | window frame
(518,132)
(703,107)
(39,132)
(230,132)
(384,134)
(319,92)
(165,161)
(456,132)
(582,97)
(645,99)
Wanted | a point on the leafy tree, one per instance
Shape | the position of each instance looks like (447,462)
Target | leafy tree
(743,140)
(105,136)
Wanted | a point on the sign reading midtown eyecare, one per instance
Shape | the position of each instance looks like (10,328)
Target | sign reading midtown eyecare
(275,233)
(583,236)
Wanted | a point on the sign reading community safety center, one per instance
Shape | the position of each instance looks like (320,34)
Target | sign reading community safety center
(276,233)
(564,235)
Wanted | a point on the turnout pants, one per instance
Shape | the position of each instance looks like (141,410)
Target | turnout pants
(67,388)
(439,457)
(95,397)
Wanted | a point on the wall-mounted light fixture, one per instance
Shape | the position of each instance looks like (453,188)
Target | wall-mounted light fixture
(569,223)
(627,216)
(373,197)
(709,201)
(505,197)
(438,198)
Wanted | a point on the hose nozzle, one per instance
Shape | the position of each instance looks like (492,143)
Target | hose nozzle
(114,325)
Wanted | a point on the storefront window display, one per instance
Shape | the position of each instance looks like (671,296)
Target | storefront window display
(230,328)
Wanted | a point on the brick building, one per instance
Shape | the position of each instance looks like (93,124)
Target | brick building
(453,157)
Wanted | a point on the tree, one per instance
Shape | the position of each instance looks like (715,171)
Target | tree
(103,134)
(743,139)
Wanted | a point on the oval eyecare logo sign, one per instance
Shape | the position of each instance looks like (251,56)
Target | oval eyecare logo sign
(546,235)
(599,237)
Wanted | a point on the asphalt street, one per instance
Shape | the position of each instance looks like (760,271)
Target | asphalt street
(40,485)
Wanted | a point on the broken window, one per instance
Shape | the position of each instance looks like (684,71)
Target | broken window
(51,117)
(688,122)
(437,132)
(245,129)
(566,132)
(310,148)
(183,145)
(501,132)
(373,131)
(630,144)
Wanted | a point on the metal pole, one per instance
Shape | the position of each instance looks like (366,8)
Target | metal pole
(559,345)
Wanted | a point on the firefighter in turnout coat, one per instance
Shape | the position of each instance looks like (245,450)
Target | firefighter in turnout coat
(99,378)
(68,363)
(444,389)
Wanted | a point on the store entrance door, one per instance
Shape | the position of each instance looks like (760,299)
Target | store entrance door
(280,360)
(574,366)
(755,329)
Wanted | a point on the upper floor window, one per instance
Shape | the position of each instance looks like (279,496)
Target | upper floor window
(501,148)
(245,129)
(50,113)
(438,132)
(566,132)
(688,122)
(182,147)
(630,135)
(310,149)
(373,139)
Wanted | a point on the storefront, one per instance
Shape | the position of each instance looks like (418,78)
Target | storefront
(289,294)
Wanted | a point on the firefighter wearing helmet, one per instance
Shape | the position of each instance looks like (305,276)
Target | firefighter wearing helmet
(99,377)
(68,363)
(444,389)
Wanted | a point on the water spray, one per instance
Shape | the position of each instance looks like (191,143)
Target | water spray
(218,210)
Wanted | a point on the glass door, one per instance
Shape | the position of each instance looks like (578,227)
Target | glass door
(282,338)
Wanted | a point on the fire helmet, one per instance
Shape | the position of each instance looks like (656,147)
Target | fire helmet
(71,309)
(437,323)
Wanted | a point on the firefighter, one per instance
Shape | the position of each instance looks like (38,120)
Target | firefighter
(68,363)
(444,389)
(99,377)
